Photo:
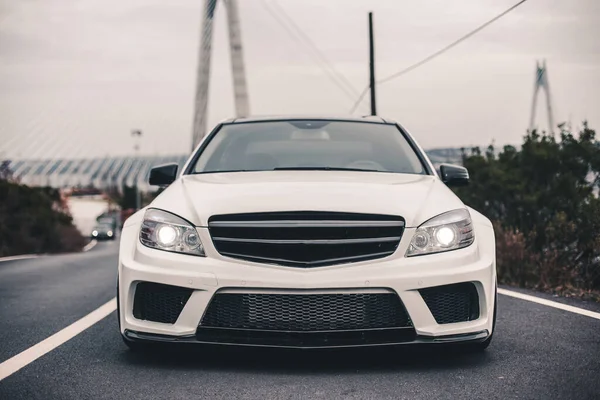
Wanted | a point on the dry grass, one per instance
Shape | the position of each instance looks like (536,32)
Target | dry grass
(517,265)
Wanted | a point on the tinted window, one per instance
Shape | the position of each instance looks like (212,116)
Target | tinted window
(263,146)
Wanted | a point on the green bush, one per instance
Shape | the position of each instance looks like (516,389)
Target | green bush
(544,204)
(34,220)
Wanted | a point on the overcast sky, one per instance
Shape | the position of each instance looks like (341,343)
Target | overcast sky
(76,76)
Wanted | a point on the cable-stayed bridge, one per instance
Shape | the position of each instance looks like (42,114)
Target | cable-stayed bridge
(99,173)
(78,170)
(111,173)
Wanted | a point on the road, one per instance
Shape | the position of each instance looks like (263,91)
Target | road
(539,352)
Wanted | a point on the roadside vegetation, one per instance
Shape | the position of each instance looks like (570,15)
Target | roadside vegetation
(542,198)
(34,220)
(543,201)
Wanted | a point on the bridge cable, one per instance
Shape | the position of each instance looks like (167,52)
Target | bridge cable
(296,33)
(437,53)
(316,50)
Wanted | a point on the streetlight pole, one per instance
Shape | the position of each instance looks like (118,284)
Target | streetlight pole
(372,65)
(137,135)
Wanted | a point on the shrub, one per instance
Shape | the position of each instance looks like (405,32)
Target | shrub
(35,220)
(545,208)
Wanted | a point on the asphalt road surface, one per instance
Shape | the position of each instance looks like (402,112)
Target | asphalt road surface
(538,352)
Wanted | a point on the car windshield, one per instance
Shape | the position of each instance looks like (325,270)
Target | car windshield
(308,145)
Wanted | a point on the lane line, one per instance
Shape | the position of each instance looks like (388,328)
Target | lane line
(28,356)
(22,257)
(550,303)
(90,245)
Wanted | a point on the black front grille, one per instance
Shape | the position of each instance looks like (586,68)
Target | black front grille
(306,339)
(452,303)
(159,303)
(306,312)
(306,239)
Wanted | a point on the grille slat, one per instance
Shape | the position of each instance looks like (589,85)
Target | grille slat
(329,261)
(159,303)
(305,238)
(304,224)
(308,241)
(306,312)
(452,303)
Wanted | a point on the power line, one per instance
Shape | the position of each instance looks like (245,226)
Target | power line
(339,80)
(456,42)
(439,52)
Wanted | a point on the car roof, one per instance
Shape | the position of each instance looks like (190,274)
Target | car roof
(266,118)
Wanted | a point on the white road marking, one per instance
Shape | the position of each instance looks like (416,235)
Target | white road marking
(28,356)
(90,245)
(23,257)
(550,303)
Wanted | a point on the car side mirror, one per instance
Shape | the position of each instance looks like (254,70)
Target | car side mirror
(163,175)
(454,175)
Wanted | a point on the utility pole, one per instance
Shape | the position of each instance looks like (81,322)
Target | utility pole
(137,135)
(372,65)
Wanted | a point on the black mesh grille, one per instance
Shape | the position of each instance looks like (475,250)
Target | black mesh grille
(306,312)
(452,303)
(306,238)
(159,303)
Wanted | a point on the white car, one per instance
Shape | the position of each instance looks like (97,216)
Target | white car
(307,233)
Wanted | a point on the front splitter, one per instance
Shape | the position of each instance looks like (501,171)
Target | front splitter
(473,337)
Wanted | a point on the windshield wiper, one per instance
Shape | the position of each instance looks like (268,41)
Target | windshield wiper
(325,169)
(225,170)
(290,169)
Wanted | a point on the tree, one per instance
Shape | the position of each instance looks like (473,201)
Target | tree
(546,192)
(35,220)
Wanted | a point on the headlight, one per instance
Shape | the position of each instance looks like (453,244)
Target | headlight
(165,231)
(95,233)
(449,231)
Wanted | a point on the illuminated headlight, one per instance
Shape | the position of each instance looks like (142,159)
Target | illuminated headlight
(165,231)
(109,233)
(449,231)
(94,233)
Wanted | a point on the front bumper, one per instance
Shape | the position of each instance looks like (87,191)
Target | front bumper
(395,274)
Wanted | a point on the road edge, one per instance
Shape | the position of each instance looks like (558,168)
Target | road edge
(85,249)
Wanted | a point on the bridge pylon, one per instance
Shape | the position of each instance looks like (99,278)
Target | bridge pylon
(242,104)
(541,82)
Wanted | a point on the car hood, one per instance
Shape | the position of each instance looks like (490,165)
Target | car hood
(414,197)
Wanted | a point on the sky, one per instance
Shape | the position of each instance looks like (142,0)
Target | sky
(77,76)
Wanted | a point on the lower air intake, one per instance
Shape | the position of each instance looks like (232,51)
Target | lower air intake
(306,312)
(159,303)
(452,303)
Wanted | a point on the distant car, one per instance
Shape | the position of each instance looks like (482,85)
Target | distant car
(110,221)
(307,233)
(103,232)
